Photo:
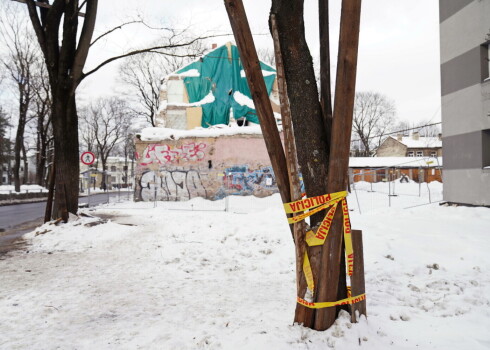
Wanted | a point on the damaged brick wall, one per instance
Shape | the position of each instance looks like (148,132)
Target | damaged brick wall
(208,167)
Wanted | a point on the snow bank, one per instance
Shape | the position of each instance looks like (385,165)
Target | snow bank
(5,189)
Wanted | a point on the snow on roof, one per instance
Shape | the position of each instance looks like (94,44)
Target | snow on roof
(188,73)
(265,73)
(209,98)
(243,99)
(401,162)
(157,134)
(422,142)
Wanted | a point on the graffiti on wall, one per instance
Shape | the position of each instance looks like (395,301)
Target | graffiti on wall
(177,185)
(163,154)
(241,180)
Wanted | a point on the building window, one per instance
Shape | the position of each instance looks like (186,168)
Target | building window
(113,168)
(411,154)
(433,154)
(486,148)
(420,154)
(485,58)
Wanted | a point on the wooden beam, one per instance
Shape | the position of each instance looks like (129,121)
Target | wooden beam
(44,5)
(253,72)
(358,285)
(299,228)
(339,155)
(325,81)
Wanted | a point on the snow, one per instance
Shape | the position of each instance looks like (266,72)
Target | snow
(379,162)
(243,100)
(422,142)
(157,134)
(200,279)
(209,98)
(188,73)
(6,189)
(265,73)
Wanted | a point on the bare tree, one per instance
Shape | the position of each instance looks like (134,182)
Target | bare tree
(23,55)
(4,141)
(41,111)
(267,55)
(374,118)
(310,132)
(144,74)
(107,120)
(316,139)
(65,48)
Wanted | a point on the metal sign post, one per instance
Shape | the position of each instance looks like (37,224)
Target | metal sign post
(88,158)
(89,183)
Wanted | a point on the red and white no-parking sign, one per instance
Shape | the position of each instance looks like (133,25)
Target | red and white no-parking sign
(87,158)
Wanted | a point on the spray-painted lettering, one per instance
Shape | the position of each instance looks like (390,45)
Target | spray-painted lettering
(179,185)
(163,154)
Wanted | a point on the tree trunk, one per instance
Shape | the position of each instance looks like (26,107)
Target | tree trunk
(41,156)
(103,183)
(19,142)
(25,178)
(65,129)
(309,127)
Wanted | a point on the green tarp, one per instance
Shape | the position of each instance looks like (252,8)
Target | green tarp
(221,75)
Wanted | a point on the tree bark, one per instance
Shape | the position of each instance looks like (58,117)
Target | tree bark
(25,177)
(299,228)
(48,212)
(309,127)
(65,129)
(19,139)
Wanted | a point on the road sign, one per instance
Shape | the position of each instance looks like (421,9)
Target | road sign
(87,158)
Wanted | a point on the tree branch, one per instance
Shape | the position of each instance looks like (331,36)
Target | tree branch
(123,25)
(36,23)
(84,42)
(152,50)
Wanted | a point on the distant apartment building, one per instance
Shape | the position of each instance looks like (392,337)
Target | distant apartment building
(465,90)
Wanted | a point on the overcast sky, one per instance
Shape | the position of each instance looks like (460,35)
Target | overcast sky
(398,54)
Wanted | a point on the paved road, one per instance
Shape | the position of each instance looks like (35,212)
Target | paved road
(15,220)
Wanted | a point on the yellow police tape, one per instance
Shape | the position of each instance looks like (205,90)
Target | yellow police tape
(308,273)
(346,301)
(307,203)
(312,206)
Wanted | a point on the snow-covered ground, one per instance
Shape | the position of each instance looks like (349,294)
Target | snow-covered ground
(157,278)
(10,189)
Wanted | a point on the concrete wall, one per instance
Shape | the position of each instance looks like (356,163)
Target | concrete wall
(391,148)
(465,89)
(203,167)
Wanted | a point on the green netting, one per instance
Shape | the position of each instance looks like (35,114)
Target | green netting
(221,76)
